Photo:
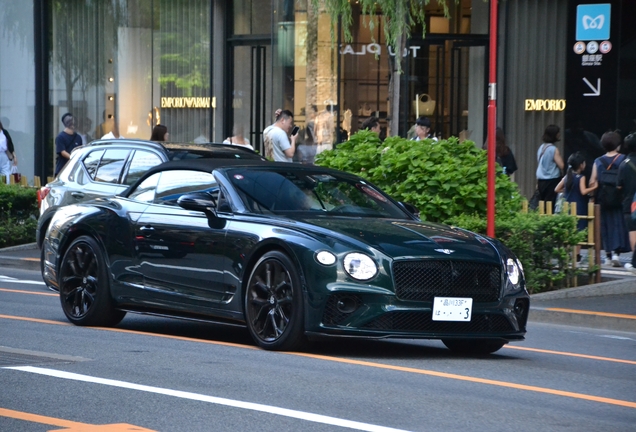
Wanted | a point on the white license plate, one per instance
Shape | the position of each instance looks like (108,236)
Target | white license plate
(452,309)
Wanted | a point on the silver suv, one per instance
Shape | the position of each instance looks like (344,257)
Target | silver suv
(108,167)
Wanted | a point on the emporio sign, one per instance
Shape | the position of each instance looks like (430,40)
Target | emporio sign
(545,104)
(185,102)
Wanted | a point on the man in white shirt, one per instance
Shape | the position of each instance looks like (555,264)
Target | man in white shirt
(278,145)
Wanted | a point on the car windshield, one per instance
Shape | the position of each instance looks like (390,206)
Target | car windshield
(282,191)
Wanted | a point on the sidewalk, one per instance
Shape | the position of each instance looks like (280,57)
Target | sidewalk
(609,305)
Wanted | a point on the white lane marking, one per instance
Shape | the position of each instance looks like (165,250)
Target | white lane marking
(316,418)
(617,337)
(14,280)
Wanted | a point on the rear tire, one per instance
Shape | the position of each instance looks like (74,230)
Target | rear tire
(84,287)
(274,304)
(474,346)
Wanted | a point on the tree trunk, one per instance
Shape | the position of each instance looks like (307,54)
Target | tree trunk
(394,86)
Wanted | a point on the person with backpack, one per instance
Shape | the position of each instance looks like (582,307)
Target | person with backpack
(626,182)
(614,236)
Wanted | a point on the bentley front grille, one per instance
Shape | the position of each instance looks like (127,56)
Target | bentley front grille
(423,280)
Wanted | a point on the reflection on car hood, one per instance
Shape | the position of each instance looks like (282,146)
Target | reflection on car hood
(404,238)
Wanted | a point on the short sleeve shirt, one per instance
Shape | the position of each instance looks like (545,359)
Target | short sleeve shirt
(276,142)
(547,169)
(627,181)
(66,142)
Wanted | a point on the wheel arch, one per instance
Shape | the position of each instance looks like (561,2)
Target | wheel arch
(262,249)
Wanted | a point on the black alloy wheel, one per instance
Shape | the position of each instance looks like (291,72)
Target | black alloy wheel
(274,303)
(84,288)
(474,346)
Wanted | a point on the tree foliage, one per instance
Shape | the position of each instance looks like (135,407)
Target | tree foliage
(398,16)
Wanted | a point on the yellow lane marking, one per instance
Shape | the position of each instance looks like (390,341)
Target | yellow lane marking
(584,312)
(570,354)
(70,426)
(583,396)
(376,365)
(37,320)
(29,292)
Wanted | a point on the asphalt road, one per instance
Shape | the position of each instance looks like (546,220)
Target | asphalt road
(162,374)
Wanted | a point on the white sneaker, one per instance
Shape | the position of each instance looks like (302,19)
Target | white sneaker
(616,261)
(630,267)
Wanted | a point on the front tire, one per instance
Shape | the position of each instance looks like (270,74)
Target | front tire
(474,346)
(84,287)
(274,304)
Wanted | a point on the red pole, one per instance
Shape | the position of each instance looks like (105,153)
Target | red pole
(492,120)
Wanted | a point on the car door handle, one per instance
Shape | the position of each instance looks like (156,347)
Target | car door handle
(77,194)
(147,228)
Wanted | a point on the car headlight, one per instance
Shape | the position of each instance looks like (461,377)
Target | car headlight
(360,266)
(514,271)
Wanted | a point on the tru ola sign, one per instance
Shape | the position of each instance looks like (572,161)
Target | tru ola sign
(545,104)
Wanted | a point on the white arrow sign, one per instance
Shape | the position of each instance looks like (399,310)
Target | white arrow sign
(596,91)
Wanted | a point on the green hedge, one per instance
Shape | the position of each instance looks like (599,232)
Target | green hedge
(18,215)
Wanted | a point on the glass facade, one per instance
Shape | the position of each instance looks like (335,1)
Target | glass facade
(17,79)
(127,66)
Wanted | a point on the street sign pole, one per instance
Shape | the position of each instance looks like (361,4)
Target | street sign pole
(492,120)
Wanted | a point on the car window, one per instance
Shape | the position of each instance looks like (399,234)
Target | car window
(141,162)
(145,191)
(283,191)
(175,183)
(91,162)
(111,165)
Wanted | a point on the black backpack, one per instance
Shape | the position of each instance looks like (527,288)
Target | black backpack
(608,196)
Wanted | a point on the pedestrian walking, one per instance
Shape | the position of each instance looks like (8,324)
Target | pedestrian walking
(614,234)
(626,183)
(66,141)
(8,158)
(159,133)
(550,164)
(574,186)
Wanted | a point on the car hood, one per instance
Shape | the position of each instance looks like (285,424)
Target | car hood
(404,238)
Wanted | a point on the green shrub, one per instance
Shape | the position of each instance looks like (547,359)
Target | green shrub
(18,215)
(443,179)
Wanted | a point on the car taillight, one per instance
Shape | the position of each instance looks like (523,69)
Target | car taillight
(42,193)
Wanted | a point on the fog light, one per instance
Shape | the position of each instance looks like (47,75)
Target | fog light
(346,305)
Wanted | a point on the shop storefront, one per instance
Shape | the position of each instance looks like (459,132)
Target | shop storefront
(208,69)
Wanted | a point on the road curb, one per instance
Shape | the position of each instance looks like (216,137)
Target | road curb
(617,287)
(21,263)
(588,319)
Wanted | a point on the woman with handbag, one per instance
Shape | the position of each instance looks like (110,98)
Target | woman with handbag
(7,154)
(550,165)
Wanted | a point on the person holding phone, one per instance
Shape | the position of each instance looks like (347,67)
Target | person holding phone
(279,146)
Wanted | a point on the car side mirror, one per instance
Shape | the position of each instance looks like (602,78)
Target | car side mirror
(201,201)
(411,209)
(197,201)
